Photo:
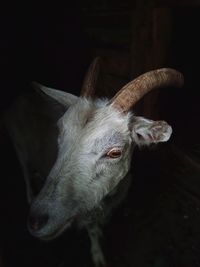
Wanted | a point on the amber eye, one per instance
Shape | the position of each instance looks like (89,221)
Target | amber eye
(114,153)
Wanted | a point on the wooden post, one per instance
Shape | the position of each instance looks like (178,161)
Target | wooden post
(161,33)
(150,42)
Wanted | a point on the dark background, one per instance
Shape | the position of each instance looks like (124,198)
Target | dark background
(158,224)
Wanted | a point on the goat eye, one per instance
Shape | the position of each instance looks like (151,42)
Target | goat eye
(114,153)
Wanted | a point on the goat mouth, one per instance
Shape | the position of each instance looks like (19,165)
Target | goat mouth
(59,230)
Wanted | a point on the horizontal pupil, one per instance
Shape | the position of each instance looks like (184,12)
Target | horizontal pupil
(114,153)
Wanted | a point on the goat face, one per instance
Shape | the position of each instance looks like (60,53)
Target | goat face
(95,146)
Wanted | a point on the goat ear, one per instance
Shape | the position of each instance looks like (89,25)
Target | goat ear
(146,132)
(61,97)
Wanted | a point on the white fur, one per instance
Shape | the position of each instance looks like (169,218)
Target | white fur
(82,175)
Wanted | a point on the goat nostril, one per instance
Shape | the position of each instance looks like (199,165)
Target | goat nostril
(37,222)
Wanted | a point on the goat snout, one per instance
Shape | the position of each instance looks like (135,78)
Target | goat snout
(37,221)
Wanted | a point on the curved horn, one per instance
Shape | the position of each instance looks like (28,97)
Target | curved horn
(132,92)
(90,80)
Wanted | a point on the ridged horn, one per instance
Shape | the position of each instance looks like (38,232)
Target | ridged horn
(90,80)
(132,92)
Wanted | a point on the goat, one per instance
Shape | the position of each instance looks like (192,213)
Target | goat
(96,138)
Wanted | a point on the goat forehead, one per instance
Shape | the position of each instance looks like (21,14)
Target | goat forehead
(107,126)
(88,121)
